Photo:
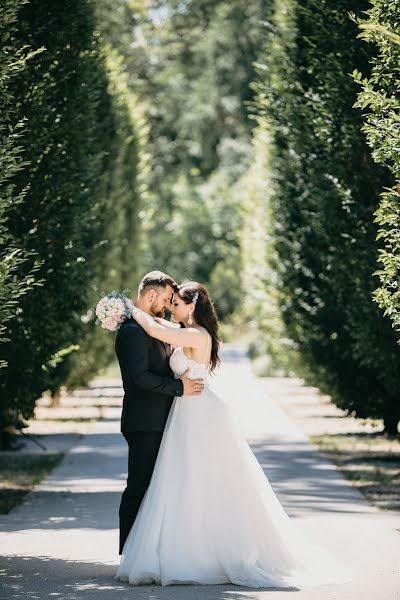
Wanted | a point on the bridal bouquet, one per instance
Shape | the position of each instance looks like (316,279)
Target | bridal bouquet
(113,309)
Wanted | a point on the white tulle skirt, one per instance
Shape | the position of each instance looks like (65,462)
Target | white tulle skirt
(210,515)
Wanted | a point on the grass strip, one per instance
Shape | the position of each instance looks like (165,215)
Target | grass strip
(20,472)
(371,461)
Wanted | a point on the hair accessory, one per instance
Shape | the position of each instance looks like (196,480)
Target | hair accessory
(194,300)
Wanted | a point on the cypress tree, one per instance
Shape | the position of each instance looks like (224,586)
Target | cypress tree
(326,190)
(379,102)
(15,279)
(117,258)
(62,95)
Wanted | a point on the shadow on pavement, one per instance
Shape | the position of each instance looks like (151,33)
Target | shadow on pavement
(49,579)
(304,485)
(64,510)
(304,481)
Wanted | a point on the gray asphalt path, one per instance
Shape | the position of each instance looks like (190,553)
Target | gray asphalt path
(61,543)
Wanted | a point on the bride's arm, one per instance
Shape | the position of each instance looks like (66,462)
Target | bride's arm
(167,323)
(188,337)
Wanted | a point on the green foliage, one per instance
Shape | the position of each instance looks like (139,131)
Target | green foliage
(14,283)
(62,96)
(198,238)
(196,64)
(125,190)
(325,192)
(201,133)
(191,65)
(379,101)
(260,305)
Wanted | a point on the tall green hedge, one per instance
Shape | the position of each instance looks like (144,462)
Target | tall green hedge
(62,96)
(260,304)
(13,60)
(117,258)
(379,100)
(326,191)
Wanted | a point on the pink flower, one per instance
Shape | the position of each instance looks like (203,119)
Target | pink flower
(112,310)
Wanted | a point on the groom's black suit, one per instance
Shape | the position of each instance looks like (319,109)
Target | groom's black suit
(149,388)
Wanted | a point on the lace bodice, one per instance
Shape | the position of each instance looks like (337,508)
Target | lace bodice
(179,362)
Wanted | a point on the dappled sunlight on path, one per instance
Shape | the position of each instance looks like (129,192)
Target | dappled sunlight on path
(62,541)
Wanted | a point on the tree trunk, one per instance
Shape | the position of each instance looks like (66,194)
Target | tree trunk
(8,433)
(391,424)
(55,398)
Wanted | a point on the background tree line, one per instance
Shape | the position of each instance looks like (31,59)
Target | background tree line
(249,145)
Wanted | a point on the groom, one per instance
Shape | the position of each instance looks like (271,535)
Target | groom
(149,387)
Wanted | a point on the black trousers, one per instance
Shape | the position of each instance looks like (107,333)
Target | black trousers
(143,451)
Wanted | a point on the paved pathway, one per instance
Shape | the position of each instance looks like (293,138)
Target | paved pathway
(61,543)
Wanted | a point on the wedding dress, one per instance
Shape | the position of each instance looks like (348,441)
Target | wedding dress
(210,515)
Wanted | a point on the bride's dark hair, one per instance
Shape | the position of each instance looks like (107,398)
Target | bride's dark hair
(204,313)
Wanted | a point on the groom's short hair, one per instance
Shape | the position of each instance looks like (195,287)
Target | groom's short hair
(156,279)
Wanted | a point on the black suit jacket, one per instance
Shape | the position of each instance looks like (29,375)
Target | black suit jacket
(148,381)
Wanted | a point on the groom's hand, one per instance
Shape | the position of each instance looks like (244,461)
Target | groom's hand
(191,387)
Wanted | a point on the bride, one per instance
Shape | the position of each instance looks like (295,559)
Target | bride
(210,515)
